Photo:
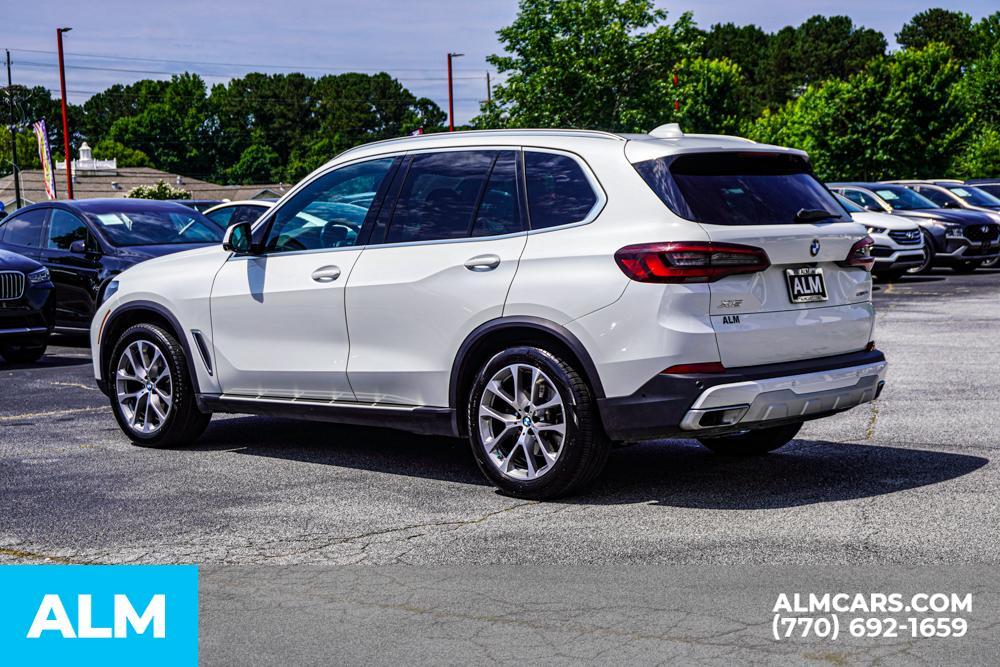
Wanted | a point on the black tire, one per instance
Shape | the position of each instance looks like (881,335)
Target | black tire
(968,266)
(928,256)
(753,443)
(584,446)
(183,422)
(23,354)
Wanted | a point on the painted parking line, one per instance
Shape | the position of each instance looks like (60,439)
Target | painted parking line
(51,413)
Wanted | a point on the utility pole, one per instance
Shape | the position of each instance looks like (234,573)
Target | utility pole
(62,86)
(13,138)
(489,89)
(451,93)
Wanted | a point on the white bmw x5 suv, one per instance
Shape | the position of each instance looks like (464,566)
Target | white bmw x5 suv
(544,293)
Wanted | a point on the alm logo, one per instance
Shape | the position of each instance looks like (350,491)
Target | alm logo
(99,615)
(52,617)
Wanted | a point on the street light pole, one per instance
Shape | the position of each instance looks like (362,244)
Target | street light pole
(451,93)
(62,86)
(13,138)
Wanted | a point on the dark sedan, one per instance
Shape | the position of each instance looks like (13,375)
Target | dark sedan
(27,308)
(87,242)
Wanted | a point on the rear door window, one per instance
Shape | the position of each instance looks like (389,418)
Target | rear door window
(559,193)
(25,230)
(438,197)
(741,189)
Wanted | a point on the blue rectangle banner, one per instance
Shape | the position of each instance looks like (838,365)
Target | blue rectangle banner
(99,614)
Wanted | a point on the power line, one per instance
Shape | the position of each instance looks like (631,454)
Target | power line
(329,68)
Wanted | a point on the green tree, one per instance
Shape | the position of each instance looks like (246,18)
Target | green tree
(902,117)
(981,157)
(940,25)
(747,47)
(257,164)
(27,152)
(273,110)
(354,108)
(159,191)
(175,131)
(119,101)
(604,64)
(708,93)
(107,149)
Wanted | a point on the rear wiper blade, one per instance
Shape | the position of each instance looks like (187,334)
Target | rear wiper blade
(813,215)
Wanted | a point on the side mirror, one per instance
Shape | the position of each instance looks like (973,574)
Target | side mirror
(80,248)
(238,238)
(874,207)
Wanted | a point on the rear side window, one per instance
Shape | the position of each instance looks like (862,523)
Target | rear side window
(25,230)
(559,193)
(740,188)
(438,197)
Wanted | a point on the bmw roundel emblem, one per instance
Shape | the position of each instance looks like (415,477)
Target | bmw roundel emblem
(814,248)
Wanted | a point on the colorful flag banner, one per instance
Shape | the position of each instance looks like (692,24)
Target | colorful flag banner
(45,156)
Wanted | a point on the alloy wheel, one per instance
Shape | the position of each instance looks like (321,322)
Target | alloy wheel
(144,386)
(522,422)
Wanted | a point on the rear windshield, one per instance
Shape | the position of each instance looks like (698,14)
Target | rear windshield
(741,189)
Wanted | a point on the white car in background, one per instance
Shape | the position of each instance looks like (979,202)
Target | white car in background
(899,245)
(543,293)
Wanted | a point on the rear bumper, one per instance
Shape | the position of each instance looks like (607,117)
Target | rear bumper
(744,398)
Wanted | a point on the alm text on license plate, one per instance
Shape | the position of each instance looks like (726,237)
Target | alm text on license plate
(805,285)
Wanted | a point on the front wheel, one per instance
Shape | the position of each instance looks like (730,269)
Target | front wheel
(152,394)
(928,262)
(533,425)
(753,443)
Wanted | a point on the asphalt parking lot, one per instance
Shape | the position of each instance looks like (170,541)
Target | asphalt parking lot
(910,479)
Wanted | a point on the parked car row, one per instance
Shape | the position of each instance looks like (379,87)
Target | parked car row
(959,223)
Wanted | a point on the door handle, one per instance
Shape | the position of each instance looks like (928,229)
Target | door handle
(482,263)
(326,274)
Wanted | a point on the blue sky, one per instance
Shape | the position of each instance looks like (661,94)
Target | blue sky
(407,39)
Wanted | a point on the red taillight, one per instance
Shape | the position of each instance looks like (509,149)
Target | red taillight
(861,254)
(687,369)
(689,262)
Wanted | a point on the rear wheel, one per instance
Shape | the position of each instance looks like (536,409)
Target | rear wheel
(753,443)
(533,425)
(23,354)
(152,394)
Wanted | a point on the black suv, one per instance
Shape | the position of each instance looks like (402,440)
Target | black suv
(959,238)
(27,308)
